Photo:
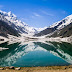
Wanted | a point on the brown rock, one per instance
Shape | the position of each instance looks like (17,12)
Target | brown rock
(12,67)
(1,68)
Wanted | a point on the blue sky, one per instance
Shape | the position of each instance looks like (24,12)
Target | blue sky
(38,13)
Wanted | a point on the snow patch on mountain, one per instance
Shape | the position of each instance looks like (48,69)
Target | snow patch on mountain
(40,29)
(4,38)
(61,24)
(20,26)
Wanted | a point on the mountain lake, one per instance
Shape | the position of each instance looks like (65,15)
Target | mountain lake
(36,54)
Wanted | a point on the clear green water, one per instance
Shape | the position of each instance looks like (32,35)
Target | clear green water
(36,54)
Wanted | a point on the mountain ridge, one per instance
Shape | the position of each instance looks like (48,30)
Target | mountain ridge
(17,25)
(56,26)
(12,27)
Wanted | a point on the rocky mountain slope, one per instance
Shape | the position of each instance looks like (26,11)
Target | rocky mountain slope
(64,32)
(45,32)
(6,29)
(10,24)
(9,19)
(58,28)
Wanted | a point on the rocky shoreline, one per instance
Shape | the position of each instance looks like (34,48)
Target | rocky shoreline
(9,68)
(37,69)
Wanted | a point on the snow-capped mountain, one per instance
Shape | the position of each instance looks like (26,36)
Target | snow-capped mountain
(18,25)
(57,26)
(61,24)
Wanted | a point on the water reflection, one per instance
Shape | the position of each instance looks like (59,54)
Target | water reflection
(36,54)
(62,50)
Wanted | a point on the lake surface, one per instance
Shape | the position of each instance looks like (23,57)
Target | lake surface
(36,54)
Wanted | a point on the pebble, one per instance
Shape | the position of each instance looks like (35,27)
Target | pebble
(65,67)
(17,68)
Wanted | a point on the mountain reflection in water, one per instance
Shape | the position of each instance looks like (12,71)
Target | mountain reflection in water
(36,54)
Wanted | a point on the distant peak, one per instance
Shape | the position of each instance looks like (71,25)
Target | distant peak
(9,13)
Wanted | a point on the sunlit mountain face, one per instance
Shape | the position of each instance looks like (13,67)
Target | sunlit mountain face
(10,24)
(61,28)
(36,54)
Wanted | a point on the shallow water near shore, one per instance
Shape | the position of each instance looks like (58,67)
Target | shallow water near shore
(36,54)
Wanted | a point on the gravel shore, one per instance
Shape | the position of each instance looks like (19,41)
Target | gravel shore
(42,69)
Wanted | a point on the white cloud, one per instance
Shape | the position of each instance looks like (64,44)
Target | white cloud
(36,14)
(46,13)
